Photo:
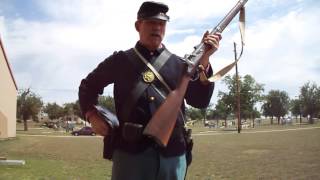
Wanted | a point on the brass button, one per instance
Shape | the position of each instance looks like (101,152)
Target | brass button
(151,98)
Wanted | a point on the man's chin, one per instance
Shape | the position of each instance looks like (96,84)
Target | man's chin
(156,41)
(156,44)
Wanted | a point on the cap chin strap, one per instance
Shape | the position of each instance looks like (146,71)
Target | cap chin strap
(227,68)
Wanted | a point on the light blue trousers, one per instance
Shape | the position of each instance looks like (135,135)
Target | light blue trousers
(148,165)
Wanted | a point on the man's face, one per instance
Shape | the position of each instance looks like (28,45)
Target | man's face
(151,32)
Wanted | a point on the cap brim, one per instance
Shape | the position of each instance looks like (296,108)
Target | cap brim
(158,17)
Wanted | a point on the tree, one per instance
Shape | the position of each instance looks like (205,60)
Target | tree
(250,94)
(296,108)
(310,100)
(76,109)
(107,102)
(194,113)
(266,110)
(204,112)
(54,111)
(28,106)
(277,104)
(224,107)
(68,110)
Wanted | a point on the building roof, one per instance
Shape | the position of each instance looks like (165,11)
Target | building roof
(5,57)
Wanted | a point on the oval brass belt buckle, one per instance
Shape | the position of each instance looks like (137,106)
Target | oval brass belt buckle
(148,76)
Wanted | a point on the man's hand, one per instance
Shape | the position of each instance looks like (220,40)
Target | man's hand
(99,126)
(211,42)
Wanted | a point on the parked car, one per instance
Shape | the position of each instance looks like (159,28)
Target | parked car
(87,131)
(287,120)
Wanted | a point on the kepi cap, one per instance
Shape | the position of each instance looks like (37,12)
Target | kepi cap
(153,10)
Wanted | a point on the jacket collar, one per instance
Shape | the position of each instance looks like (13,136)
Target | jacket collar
(149,54)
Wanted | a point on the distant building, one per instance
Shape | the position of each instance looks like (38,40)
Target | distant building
(8,97)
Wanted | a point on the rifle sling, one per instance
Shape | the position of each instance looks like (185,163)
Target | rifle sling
(158,75)
(133,55)
(152,68)
(227,68)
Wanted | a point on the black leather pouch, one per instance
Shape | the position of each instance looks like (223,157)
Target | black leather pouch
(132,132)
(108,146)
(189,144)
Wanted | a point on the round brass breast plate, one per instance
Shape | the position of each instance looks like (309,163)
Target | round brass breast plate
(148,76)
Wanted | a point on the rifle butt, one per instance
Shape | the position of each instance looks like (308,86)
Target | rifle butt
(162,123)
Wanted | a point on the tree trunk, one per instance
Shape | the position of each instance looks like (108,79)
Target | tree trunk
(278,120)
(271,120)
(300,119)
(204,118)
(253,123)
(311,121)
(225,123)
(25,125)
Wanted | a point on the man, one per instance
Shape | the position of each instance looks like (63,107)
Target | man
(137,156)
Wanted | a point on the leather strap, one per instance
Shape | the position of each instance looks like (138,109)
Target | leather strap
(159,78)
(141,86)
(227,68)
(165,55)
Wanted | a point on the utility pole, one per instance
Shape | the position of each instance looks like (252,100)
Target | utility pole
(238,88)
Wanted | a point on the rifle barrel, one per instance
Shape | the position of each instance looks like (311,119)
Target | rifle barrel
(161,125)
(198,52)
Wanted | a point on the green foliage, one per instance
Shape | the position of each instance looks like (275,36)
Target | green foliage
(54,111)
(277,104)
(194,113)
(28,105)
(107,102)
(310,100)
(296,107)
(68,109)
(266,109)
(250,94)
(77,110)
(223,107)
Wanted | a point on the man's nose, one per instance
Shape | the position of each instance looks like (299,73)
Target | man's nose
(157,27)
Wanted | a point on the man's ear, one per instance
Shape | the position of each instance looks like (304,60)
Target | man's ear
(136,24)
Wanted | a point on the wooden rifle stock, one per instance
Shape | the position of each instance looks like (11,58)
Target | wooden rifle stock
(164,119)
(161,125)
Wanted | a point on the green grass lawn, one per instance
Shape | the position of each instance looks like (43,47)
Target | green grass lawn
(55,158)
(293,154)
(276,155)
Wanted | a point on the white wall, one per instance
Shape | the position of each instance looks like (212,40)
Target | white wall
(8,100)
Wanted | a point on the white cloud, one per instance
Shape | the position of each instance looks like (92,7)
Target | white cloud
(58,52)
(278,50)
(3,29)
(199,10)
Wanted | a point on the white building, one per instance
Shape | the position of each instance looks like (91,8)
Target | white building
(8,97)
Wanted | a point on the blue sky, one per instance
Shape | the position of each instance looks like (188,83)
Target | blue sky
(53,44)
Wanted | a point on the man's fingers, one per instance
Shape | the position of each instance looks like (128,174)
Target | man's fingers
(99,126)
(101,130)
(212,42)
(218,35)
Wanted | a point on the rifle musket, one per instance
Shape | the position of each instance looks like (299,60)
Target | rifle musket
(219,29)
(161,125)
